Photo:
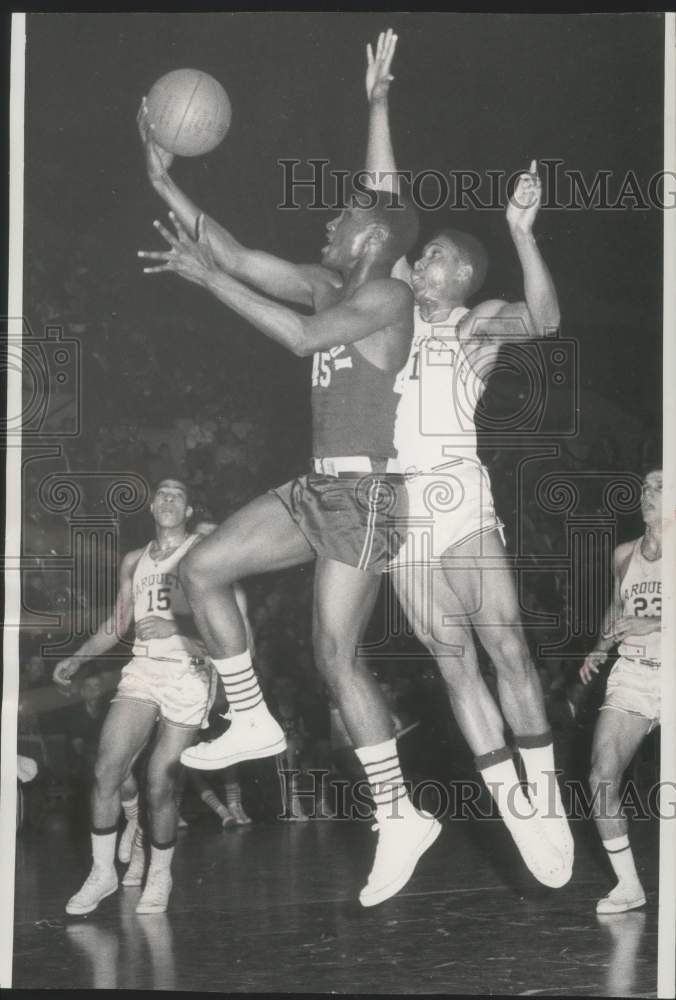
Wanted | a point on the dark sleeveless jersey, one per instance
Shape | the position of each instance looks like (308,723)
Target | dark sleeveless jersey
(353,405)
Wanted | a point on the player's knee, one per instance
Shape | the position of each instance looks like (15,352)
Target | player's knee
(108,776)
(161,789)
(333,653)
(190,573)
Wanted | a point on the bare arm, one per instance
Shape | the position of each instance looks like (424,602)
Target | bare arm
(495,321)
(111,631)
(540,294)
(283,280)
(380,162)
(381,165)
(374,307)
(606,641)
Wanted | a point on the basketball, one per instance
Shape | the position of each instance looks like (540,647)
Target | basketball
(190,112)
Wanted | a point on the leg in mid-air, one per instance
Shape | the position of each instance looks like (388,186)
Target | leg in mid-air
(440,624)
(161,778)
(617,737)
(125,732)
(259,538)
(344,597)
(478,573)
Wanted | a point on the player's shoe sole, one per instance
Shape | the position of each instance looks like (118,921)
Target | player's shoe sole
(608,906)
(75,910)
(391,888)
(217,763)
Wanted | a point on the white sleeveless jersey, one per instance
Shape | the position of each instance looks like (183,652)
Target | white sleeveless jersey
(439,392)
(641,594)
(158,593)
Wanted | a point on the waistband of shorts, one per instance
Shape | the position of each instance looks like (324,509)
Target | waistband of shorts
(193,661)
(354,465)
(653,664)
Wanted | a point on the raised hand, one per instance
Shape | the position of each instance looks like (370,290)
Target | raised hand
(378,77)
(525,200)
(158,160)
(192,259)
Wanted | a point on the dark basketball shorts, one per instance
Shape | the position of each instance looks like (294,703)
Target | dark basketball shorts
(349,517)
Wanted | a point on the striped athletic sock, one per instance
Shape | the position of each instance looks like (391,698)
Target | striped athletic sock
(239,681)
(383,771)
(130,810)
(233,792)
(212,800)
(622,859)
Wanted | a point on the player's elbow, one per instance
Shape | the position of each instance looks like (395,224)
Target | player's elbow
(302,346)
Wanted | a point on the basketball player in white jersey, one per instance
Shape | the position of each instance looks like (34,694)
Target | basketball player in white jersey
(453,526)
(631,708)
(167,685)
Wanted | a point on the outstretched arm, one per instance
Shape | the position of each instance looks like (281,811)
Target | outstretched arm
(540,294)
(495,321)
(284,280)
(109,633)
(380,161)
(381,165)
(375,306)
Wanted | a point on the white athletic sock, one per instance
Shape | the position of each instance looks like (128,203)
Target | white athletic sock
(543,788)
(130,809)
(161,857)
(240,682)
(103,849)
(503,783)
(383,771)
(622,859)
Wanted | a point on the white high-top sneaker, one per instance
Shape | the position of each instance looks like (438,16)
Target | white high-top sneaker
(100,883)
(155,897)
(252,735)
(402,840)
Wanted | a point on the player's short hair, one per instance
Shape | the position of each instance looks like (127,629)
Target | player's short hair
(176,481)
(470,251)
(650,468)
(397,215)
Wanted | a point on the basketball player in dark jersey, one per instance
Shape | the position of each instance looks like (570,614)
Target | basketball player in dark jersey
(338,515)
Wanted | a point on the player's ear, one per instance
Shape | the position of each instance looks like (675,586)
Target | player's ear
(377,236)
(188,512)
(465,273)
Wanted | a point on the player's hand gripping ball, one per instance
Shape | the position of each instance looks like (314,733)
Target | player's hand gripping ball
(189,112)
